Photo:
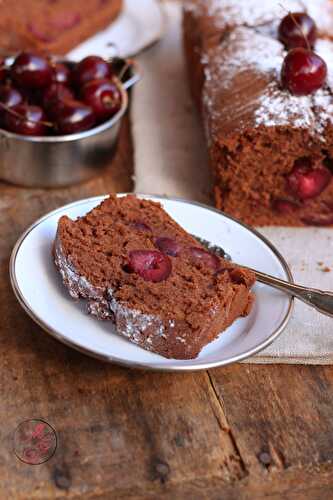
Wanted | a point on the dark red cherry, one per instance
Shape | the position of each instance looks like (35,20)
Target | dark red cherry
(297,30)
(303,72)
(151,265)
(73,116)
(285,207)
(205,258)
(103,96)
(31,71)
(91,68)
(306,182)
(61,73)
(168,246)
(9,96)
(27,120)
(141,226)
(53,94)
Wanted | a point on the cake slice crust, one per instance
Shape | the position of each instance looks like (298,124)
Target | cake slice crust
(54,27)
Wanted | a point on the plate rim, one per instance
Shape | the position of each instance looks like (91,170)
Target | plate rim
(164,20)
(132,364)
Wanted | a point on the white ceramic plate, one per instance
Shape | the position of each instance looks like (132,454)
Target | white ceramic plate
(39,289)
(140,25)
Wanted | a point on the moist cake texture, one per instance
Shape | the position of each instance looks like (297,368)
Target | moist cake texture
(271,152)
(138,268)
(52,26)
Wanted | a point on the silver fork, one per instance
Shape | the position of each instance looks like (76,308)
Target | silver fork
(318,299)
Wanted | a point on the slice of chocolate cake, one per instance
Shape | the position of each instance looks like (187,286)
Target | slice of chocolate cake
(138,268)
(271,151)
(52,26)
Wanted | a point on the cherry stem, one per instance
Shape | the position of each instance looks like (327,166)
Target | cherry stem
(301,30)
(123,70)
(15,113)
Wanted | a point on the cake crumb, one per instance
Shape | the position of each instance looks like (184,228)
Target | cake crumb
(326,270)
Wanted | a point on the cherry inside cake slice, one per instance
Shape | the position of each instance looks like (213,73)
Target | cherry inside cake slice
(138,268)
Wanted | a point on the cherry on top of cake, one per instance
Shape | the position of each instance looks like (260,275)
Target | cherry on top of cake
(243,82)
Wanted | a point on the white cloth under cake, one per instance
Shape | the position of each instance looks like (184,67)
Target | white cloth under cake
(170,159)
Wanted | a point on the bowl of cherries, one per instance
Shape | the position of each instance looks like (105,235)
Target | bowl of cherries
(59,119)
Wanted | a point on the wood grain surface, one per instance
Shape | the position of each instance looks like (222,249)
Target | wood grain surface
(240,432)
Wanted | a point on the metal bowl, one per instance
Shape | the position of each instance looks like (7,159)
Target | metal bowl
(55,161)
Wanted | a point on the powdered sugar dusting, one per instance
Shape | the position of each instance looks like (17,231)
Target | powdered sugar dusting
(323,100)
(251,12)
(322,13)
(252,49)
(256,12)
(278,108)
(243,12)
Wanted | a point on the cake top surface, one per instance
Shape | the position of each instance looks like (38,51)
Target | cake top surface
(242,81)
(99,246)
(255,12)
(242,69)
(241,12)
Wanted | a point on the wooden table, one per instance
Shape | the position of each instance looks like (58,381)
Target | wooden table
(241,432)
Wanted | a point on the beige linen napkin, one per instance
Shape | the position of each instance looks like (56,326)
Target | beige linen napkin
(170,159)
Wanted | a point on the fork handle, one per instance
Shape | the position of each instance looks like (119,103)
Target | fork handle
(320,300)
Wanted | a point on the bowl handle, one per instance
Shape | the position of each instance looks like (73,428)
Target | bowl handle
(129,73)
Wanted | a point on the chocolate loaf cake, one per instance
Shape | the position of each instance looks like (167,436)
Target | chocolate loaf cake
(52,26)
(138,268)
(271,151)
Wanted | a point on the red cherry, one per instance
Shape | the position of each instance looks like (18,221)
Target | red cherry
(27,120)
(9,96)
(151,265)
(284,207)
(306,182)
(103,96)
(73,116)
(54,93)
(61,73)
(298,30)
(303,72)
(91,68)
(168,246)
(205,258)
(31,71)
(141,226)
